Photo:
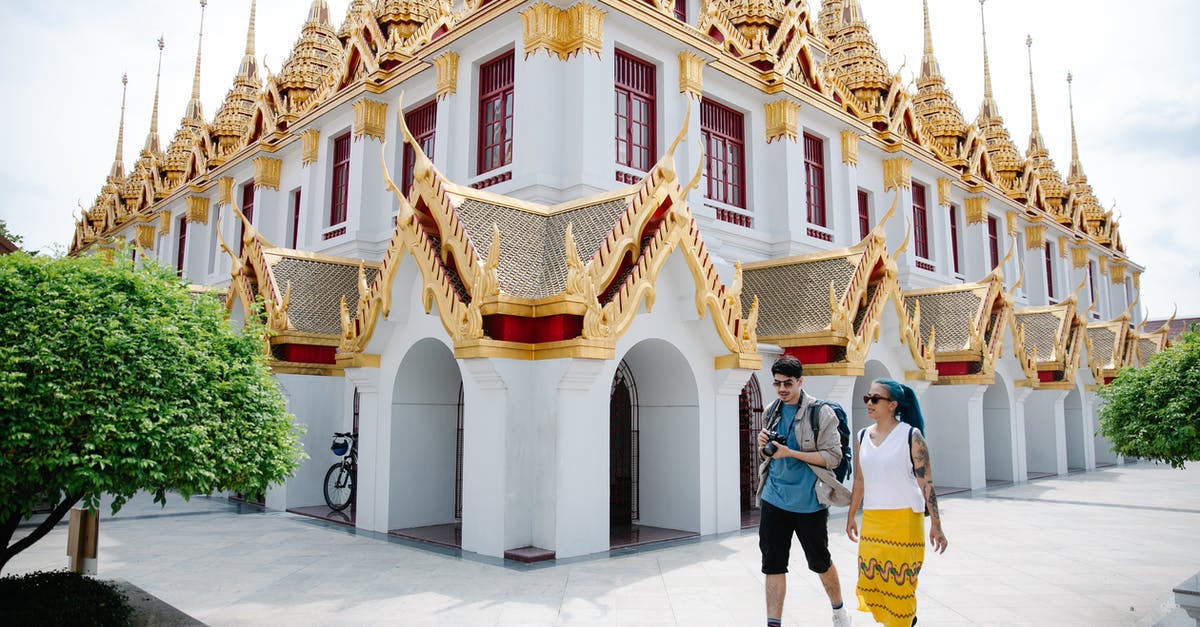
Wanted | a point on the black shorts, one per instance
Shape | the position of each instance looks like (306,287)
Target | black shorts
(775,529)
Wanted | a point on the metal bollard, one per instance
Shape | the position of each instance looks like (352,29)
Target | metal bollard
(83,538)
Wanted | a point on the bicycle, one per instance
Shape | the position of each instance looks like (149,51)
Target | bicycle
(340,478)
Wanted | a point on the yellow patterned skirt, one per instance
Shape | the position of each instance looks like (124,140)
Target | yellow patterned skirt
(891,549)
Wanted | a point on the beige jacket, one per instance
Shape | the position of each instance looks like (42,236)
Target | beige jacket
(829,490)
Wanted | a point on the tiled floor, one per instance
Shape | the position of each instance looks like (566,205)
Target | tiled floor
(1093,549)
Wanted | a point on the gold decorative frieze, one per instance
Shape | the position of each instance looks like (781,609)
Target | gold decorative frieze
(224,191)
(1063,246)
(266,172)
(164,223)
(1013,222)
(691,74)
(1137,280)
(447,74)
(1035,237)
(1117,271)
(850,147)
(976,209)
(144,235)
(782,119)
(197,209)
(897,173)
(370,117)
(943,191)
(1079,256)
(563,32)
(310,146)
(1103,265)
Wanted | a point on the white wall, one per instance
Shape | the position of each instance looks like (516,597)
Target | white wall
(319,406)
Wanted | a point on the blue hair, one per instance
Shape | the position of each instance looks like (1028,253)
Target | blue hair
(907,409)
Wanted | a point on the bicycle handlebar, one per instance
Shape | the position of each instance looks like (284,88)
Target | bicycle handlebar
(343,435)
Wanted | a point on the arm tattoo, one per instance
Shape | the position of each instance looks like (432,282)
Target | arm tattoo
(924,475)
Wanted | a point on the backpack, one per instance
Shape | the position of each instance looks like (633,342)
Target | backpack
(845,468)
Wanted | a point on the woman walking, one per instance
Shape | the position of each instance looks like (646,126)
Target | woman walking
(893,483)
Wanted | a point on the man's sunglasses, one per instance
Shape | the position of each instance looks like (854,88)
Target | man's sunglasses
(874,398)
(787,383)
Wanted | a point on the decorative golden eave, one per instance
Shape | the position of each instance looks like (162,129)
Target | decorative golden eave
(964,325)
(267,172)
(563,32)
(1079,256)
(782,120)
(976,208)
(310,146)
(850,147)
(1035,236)
(943,191)
(145,235)
(224,191)
(197,209)
(447,74)
(691,74)
(897,173)
(370,119)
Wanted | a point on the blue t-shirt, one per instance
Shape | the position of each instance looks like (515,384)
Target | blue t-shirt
(791,484)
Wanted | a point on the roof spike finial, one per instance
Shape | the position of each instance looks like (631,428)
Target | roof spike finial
(1076,166)
(193,109)
(118,166)
(249,67)
(1032,96)
(928,31)
(929,64)
(987,72)
(250,32)
(152,136)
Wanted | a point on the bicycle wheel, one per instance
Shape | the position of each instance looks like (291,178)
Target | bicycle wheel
(339,487)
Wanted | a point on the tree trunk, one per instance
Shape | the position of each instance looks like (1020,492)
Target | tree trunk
(41,530)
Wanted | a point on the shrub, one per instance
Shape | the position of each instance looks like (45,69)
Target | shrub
(63,599)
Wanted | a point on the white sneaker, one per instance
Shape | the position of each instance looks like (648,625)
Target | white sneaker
(841,618)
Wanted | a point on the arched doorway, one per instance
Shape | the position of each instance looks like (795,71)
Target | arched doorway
(623,450)
(750,422)
(426,451)
(654,447)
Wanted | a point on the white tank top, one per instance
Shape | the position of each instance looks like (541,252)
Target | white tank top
(887,472)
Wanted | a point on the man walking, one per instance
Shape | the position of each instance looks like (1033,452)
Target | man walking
(797,489)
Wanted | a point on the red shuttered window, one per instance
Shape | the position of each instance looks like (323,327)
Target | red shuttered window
(422,123)
(340,195)
(993,227)
(248,211)
(180,245)
(814,175)
(920,220)
(495,112)
(954,238)
(864,213)
(1049,270)
(723,132)
(635,108)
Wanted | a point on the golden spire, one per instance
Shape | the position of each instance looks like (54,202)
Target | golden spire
(194,110)
(1076,172)
(152,137)
(829,19)
(1035,135)
(249,68)
(989,107)
(118,166)
(1053,189)
(934,104)
(854,60)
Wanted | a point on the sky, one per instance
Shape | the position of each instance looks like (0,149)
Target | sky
(1136,94)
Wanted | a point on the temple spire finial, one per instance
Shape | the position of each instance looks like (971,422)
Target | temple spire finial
(929,64)
(118,166)
(250,32)
(152,137)
(1076,166)
(194,110)
(987,72)
(249,67)
(1032,96)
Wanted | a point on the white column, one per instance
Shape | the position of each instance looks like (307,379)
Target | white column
(374,452)
(720,501)
(486,422)
(582,464)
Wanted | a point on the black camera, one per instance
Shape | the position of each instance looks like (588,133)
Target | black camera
(772,438)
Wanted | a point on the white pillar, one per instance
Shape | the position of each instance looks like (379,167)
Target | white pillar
(374,452)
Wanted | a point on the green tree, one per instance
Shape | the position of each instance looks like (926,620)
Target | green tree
(12,237)
(1153,412)
(115,379)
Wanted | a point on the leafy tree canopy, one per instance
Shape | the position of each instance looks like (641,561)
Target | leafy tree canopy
(115,379)
(9,235)
(1153,412)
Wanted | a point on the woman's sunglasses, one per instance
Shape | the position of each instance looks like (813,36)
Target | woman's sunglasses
(874,398)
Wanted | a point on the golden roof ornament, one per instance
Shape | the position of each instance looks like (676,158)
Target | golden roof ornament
(1006,161)
(755,19)
(233,118)
(829,18)
(854,60)
(152,144)
(1084,204)
(182,154)
(934,104)
(401,18)
(117,172)
(356,13)
(316,56)
(1053,189)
